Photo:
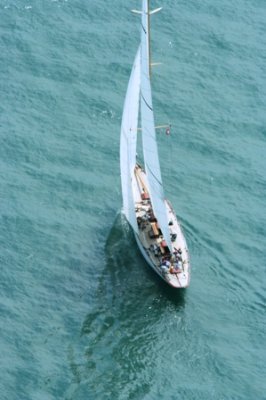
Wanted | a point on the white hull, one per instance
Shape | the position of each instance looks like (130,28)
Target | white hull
(145,242)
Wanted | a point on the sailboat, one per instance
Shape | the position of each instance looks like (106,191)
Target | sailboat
(156,228)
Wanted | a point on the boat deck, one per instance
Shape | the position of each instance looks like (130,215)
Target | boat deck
(151,242)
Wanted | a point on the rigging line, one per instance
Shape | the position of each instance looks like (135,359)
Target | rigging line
(149,35)
(171,157)
(155,177)
(171,160)
(146,102)
(144,30)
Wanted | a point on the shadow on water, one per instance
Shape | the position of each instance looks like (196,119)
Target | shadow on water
(127,267)
(121,335)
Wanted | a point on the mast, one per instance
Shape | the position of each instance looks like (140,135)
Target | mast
(150,149)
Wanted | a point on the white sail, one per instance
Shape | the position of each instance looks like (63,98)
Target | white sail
(150,151)
(128,141)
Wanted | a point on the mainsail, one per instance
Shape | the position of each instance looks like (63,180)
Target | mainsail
(150,150)
(128,141)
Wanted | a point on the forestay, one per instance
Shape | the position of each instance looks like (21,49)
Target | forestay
(128,141)
(150,149)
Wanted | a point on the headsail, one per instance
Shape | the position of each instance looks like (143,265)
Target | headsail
(128,141)
(150,150)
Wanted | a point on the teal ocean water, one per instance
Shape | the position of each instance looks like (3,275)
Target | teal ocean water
(82,315)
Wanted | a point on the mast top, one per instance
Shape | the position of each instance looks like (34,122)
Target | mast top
(148,14)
